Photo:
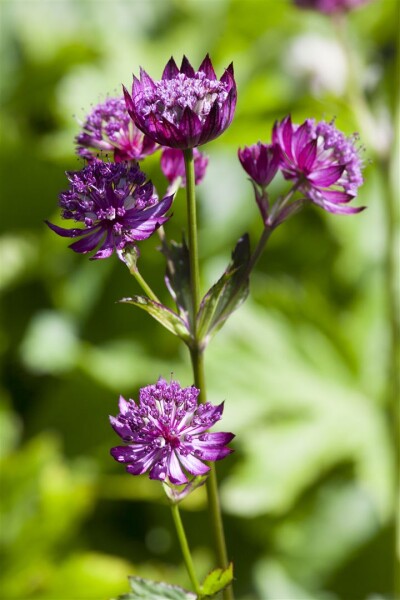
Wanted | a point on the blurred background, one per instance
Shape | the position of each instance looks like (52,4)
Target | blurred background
(304,365)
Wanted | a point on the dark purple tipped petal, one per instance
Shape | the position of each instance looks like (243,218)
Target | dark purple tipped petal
(193,464)
(191,126)
(176,474)
(65,232)
(88,243)
(171,70)
(212,124)
(187,68)
(207,68)
(327,176)
(146,81)
(307,156)
(337,197)
(128,100)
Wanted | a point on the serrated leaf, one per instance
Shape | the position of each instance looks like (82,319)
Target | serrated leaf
(155,590)
(216,581)
(224,297)
(177,277)
(162,314)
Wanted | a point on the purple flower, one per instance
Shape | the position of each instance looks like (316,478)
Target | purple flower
(109,128)
(115,206)
(330,6)
(173,165)
(323,163)
(186,108)
(167,431)
(261,162)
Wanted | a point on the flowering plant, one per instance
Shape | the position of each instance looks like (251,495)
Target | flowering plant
(166,434)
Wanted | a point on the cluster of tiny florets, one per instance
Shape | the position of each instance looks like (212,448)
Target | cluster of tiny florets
(170,97)
(109,128)
(335,146)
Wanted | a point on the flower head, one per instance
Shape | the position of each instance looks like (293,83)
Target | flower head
(114,204)
(186,108)
(173,165)
(324,163)
(109,128)
(330,6)
(261,162)
(166,433)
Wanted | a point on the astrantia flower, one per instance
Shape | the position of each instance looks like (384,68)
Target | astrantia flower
(330,6)
(173,165)
(261,162)
(324,163)
(109,128)
(186,108)
(167,434)
(114,205)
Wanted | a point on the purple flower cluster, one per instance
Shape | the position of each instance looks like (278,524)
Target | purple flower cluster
(173,165)
(109,128)
(322,161)
(330,6)
(114,204)
(167,434)
(186,108)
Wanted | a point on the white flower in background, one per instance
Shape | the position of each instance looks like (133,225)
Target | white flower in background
(319,61)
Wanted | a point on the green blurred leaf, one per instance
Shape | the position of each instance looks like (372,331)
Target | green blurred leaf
(155,590)
(177,277)
(216,581)
(162,314)
(230,291)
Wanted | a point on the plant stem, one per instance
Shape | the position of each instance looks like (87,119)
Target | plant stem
(268,229)
(187,557)
(197,358)
(192,233)
(145,287)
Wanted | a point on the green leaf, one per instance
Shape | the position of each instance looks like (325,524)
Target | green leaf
(227,294)
(177,277)
(155,590)
(216,581)
(162,314)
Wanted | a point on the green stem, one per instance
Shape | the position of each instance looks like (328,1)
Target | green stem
(187,557)
(197,358)
(192,233)
(267,232)
(144,285)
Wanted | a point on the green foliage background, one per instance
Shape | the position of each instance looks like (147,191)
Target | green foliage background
(303,365)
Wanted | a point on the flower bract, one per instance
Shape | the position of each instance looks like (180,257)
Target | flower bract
(115,206)
(186,108)
(261,162)
(166,433)
(173,165)
(322,161)
(109,128)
